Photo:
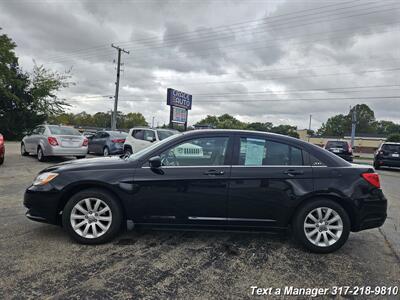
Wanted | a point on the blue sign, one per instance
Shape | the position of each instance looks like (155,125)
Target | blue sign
(179,115)
(179,99)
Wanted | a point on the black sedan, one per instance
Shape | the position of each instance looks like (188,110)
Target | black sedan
(213,179)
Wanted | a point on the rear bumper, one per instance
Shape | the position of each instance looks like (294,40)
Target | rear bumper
(114,149)
(42,204)
(372,213)
(59,151)
(388,162)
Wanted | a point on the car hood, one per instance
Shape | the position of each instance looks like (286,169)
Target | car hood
(101,163)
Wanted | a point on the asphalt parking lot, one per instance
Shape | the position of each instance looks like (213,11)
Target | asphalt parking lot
(40,261)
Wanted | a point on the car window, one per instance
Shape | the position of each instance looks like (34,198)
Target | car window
(315,162)
(197,152)
(63,130)
(118,134)
(138,134)
(391,148)
(104,135)
(336,144)
(261,152)
(149,134)
(40,130)
(162,134)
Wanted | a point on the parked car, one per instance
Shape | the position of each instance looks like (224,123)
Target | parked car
(107,143)
(89,134)
(388,155)
(2,149)
(140,138)
(54,140)
(340,148)
(245,180)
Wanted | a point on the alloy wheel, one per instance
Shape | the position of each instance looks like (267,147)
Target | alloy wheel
(91,218)
(323,226)
(105,151)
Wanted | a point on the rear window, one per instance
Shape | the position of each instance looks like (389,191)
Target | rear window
(60,130)
(118,134)
(391,148)
(163,134)
(336,144)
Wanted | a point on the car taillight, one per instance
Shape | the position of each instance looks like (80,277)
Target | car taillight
(350,148)
(118,141)
(1,139)
(85,142)
(372,178)
(52,141)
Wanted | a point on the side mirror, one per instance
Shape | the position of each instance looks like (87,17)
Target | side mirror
(155,162)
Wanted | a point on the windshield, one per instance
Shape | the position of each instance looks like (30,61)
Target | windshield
(147,150)
(60,130)
(163,134)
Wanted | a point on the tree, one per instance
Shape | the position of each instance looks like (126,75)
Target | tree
(258,126)
(394,137)
(286,130)
(133,119)
(386,127)
(334,126)
(26,100)
(365,119)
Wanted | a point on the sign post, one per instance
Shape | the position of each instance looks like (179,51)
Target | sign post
(180,103)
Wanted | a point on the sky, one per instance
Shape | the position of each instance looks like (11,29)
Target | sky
(276,61)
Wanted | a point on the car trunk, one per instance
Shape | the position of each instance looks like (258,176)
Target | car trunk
(70,141)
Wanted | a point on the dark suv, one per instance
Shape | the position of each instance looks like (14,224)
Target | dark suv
(340,148)
(387,155)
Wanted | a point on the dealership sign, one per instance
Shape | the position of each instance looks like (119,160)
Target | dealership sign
(179,99)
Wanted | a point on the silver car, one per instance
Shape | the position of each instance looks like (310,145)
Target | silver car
(54,140)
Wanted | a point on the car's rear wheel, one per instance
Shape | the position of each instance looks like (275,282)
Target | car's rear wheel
(321,226)
(376,166)
(23,150)
(1,160)
(40,155)
(106,151)
(128,151)
(92,216)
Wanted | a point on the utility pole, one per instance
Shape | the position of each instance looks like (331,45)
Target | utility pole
(152,122)
(309,128)
(353,125)
(114,119)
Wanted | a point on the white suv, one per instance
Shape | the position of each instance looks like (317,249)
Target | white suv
(140,138)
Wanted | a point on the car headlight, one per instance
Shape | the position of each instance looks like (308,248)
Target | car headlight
(44,178)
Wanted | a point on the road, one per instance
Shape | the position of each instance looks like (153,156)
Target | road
(40,261)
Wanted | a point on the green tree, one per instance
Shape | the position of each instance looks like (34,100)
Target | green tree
(26,100)
(258,126)
(132,120)
(394,137)
(386,127)
(286,130)
(334,126)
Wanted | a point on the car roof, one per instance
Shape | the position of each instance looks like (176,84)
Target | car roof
(390,143)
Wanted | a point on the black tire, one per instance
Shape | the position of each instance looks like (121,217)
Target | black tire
(376,166)
(128,151)
(40,155)
(300,217)
(1,160)
(81,156)
(106,151)
(116,212)
(23,150)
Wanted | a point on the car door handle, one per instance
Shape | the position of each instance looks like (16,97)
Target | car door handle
(293,172)
(214,173)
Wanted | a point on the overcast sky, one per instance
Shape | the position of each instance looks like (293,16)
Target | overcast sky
(224,52)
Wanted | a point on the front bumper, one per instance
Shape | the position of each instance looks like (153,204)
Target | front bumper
(372,213)
(42,203)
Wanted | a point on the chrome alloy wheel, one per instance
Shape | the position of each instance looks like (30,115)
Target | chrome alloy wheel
(323,226)
(91,218)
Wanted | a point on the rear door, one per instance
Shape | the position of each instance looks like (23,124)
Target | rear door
(191,187)
(268,179)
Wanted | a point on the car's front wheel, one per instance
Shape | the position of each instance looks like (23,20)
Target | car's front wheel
(92,216)
(128,151)
(321,226)
(106,151)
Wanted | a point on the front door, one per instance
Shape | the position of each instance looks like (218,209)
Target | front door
(190,187)
(267,181)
